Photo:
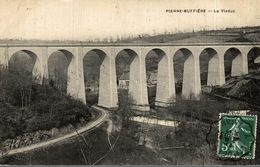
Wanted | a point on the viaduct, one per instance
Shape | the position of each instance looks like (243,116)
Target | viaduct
(108,97)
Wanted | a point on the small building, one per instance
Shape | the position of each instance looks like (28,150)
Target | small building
(152,78)
(123,81)
(92,87)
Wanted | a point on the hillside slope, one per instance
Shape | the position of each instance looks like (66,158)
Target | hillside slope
(245,88)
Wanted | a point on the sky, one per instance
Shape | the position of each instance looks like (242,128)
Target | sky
(98,19)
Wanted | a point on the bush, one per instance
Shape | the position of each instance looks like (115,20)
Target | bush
(125,102)
(206,110)
(27,106)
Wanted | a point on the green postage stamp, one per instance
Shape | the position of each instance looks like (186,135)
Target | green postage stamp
(237,136)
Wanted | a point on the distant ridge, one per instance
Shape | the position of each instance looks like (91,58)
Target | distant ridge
(243,34)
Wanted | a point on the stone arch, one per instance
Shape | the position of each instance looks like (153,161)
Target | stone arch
(233,62)
(137,83)
(159,52)
(253,58)
(184,67)
(130,51)
(99,52)
(209,67)
(156,52)
(157,77)
(123,61)
(22,60)
(92,67)
(128,55)
(59,69)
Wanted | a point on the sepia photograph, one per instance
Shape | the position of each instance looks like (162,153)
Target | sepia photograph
(129,82)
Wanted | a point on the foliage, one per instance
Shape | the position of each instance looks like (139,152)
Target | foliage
(206,109)
(125,102)
(27,106)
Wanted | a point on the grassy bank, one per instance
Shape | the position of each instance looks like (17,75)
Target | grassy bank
(27,106)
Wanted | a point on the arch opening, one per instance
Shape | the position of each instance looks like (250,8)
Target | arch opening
(253,58)
(181,57)
(152,60)
(209,67)
(58,65)
(123,62)
(233,63)
(22,61)
(21,68)
(92,61)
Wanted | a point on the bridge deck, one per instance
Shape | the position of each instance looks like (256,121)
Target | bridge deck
(114,44)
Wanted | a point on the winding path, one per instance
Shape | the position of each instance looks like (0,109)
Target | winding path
(101,118)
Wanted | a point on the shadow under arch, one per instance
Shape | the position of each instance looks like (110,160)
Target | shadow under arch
(233,62)
(22,61)
(156,63)
(183,60)
(58,69)
(253,58)
(159,52)
(209,71)
(92,62)
(131,54)
(123,61)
